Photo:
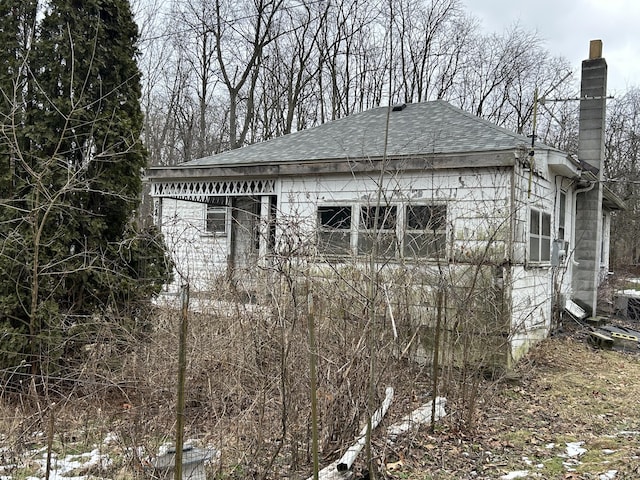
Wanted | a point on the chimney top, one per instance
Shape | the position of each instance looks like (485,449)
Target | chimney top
(595,49)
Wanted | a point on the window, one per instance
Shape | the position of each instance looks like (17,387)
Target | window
(425,230)
(216,221)
(342,228)
(539,236)
(334,232)
(562,215)
(378,224)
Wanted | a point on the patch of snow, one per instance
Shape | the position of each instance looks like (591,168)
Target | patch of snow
(550,446)
(610,475)
(608,451)
(574,449)
(61,468)
(111,438)
(515,474)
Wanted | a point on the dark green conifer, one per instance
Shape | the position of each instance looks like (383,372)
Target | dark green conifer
(76,182)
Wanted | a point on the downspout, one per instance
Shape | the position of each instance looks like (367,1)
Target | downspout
(586,189)
(509,263)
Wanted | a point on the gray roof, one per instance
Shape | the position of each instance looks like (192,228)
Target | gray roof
(418,129)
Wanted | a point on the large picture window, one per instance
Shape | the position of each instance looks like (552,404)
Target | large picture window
(378,224)
(412,231)
(334,232)
(425,230)
(539,236)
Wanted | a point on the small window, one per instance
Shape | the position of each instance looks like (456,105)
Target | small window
(378,224)
(216,221)
(539,236)
(562,215)
(426,231)
(334,232)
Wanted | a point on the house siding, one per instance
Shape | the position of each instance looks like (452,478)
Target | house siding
(200,258)
(477,202)
(488,212)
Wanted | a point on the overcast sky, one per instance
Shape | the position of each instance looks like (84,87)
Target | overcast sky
(567,26)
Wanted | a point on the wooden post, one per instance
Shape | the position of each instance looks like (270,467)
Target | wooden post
(182,366)
(50,433)
(436,355)
(313,379)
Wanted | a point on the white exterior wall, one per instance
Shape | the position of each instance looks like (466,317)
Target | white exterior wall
(477,205)
(480,209)
(535,286)
(199,257)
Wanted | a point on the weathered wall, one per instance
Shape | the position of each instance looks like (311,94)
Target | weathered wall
(487,216)
(199,256)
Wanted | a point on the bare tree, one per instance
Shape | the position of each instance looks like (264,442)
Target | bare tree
(622,169)
(431,42)
(241,34)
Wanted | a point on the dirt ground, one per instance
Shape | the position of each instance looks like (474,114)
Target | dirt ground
(569,412)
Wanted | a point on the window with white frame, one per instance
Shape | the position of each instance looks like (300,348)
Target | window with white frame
(425,231)
(378,227)
(562,215)
(216,220)
(334,229)
(539,236)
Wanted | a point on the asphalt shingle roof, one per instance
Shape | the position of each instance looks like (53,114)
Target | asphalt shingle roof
(418,129)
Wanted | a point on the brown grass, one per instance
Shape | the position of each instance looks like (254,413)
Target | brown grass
(565,392)
(248,395)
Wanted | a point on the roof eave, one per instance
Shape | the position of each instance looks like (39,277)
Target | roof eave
(438,161)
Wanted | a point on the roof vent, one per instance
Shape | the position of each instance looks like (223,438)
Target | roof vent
(398,107)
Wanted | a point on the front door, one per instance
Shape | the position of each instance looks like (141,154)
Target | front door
(245,235)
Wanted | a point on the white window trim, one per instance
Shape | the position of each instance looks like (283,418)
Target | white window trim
(400,229)
(352,231)
(405,230)
(540,236)
(227,221)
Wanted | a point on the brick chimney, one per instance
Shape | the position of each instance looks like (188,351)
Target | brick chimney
(588,225)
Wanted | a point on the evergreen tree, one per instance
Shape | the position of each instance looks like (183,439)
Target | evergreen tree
(77,183)
(17,22)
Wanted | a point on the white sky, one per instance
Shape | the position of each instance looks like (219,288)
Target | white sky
(567,26)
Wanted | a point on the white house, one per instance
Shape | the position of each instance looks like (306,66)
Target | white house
(430,183)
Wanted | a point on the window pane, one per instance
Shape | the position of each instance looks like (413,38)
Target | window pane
(534,223)
(545,249)
(424,245)
(335,217)
(563,209)
(334,242)
(534,249)
(546,224)
(386,244)
(216,221)
(386,218)
(426,217)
